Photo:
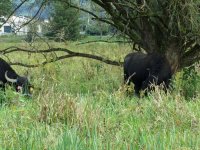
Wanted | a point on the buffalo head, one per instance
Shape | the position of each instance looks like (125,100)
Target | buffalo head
(22,84)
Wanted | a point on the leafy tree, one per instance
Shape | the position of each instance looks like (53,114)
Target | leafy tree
(166,26)
(65,24)
(5,7)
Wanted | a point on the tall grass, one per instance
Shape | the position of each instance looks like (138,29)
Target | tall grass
(81,104)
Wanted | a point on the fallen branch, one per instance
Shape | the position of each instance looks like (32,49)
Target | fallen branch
(51,50)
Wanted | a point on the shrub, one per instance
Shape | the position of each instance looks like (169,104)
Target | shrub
(190,82)
(97,29)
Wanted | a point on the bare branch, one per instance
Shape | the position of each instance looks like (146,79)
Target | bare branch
(91,13)
(106,41)
(69,55)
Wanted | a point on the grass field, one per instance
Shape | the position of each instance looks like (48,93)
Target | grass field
(82,105)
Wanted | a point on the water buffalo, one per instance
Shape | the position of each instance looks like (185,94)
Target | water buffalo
(8,75)
(146,69)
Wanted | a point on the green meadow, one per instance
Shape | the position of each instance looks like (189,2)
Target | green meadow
(81,104)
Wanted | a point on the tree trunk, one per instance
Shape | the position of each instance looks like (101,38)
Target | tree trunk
(173,56)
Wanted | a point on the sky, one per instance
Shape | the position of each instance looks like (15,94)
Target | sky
(30,8)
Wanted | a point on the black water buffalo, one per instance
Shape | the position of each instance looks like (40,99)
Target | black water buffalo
(146,69)
(8,75)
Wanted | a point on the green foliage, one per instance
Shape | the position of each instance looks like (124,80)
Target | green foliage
(184,17)
(2,97)
(181,17)
(5,7)
(65,24)
(97,28)
(10,97)
(190,83)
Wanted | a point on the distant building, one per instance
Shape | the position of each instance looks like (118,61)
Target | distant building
(5,28)
(17,25)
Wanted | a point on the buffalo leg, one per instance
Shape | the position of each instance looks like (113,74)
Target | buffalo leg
(137,89)
(146,85)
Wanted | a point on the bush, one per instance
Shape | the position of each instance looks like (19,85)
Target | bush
(97,29)
(190,82)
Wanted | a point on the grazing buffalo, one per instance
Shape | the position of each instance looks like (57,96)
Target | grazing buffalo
(146,69)
(8,75)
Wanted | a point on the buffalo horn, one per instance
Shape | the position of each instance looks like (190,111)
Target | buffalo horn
(9,79)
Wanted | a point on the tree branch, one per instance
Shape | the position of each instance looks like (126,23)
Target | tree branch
(69,55)
(191,56)
(106,41)
(92,14)
(193,52)
(35,15)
